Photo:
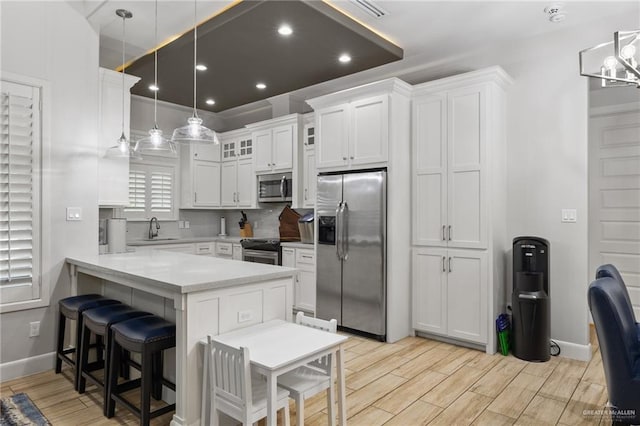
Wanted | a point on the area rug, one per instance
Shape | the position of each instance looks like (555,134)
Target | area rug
(19,410)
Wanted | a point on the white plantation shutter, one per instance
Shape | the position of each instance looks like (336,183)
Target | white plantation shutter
(20,137)
(161,192)
(151,191)
(137,190)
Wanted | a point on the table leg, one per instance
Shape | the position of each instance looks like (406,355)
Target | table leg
(272,394)
(342,403)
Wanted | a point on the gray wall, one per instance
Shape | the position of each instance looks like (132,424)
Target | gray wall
(33,34)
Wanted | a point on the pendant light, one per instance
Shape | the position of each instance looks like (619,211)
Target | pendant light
(155,143)
(194,131)
(123,148)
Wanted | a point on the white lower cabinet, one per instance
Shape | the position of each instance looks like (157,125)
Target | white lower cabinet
(450,293)
(304,292)
(180,248)
(237,252)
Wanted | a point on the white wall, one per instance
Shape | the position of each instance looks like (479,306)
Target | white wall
(52,42)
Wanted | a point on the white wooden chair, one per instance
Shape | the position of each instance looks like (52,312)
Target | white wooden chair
(314,377)
(232,389)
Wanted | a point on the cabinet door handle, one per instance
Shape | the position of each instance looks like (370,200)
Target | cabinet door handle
(306,256)
(449,232)
(238,197)
(195,197)
(449,264)
(443,232)
(444,260)
(344,158)
(305,194)
(351,157)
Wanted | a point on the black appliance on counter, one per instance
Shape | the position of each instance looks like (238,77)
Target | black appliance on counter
(260,250)
(531,304)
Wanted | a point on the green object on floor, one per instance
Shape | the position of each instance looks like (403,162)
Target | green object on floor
(503,338)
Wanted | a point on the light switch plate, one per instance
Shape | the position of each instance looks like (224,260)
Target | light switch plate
(74,213)
(244,316)
(569,215)
(186,224)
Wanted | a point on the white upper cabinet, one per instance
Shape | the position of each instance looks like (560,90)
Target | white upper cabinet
(449,138)
(113,173)
(237,177)
(369,139)
(353,128)
(200,176)
(309,174)
(332,128)
(275,144)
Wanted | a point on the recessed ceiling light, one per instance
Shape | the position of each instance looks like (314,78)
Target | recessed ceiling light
(285,30)
(153,87)
(201,67)
(210,102)
(261,86)
(344,58)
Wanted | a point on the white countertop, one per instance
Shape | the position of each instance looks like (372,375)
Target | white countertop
(228,239)
(179,272)
(298,245)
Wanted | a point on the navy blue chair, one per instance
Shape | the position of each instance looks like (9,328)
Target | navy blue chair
(99,321)
(619,346)
(611,271)
(148,336)
(72,308)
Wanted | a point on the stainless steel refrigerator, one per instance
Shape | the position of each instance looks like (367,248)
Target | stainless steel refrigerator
(351,251)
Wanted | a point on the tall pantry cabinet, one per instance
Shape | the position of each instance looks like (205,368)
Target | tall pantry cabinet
(459,206)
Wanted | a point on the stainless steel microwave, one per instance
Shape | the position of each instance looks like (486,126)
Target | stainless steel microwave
(275,188)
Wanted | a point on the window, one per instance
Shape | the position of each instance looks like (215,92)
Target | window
(20,193)
(152,189)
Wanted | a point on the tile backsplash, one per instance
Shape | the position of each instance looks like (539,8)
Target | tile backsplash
(206,223)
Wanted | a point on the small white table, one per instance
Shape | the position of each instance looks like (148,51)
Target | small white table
(276,347)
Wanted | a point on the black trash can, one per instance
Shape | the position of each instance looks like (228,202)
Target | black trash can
(531,303)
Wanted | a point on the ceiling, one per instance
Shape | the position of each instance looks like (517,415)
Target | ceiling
(427,31)
(242,47)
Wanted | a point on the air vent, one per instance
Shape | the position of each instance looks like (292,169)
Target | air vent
(370,8)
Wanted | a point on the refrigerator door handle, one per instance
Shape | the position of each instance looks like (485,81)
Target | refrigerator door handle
(339,231)
(344,218)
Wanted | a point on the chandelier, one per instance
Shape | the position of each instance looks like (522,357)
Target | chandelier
(615,63)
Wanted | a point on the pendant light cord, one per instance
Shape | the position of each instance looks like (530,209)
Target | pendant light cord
(155,70)
(195,52)
(122,72)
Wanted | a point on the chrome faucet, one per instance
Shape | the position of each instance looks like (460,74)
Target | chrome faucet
(153,232)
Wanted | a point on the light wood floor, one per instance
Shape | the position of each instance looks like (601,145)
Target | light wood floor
(413,382)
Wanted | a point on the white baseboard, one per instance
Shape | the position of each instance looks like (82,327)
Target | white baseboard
(27,366)
(574,351)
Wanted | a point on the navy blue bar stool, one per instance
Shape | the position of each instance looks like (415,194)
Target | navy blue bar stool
(98,321)
(148,336)
(72,308)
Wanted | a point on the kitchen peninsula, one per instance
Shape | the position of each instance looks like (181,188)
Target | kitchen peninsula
(203,295)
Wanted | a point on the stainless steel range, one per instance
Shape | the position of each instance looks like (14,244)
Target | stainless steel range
(262,251)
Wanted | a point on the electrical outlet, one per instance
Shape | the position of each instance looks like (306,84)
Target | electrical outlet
(34,329)
(186,224)
(255,225)
(244,316)
(181,224)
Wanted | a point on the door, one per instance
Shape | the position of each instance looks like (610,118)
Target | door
(465,175)
(429,284)
(364,271)
(283,148)
(328,264)
(228,179)
(263,150)
(333,137)
(309,178)
(369,131)
(305,294)
(614,196)
(467,295)
(246,193)
(206,183)
(430,171)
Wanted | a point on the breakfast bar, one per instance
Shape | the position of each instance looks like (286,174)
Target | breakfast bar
(203,295)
